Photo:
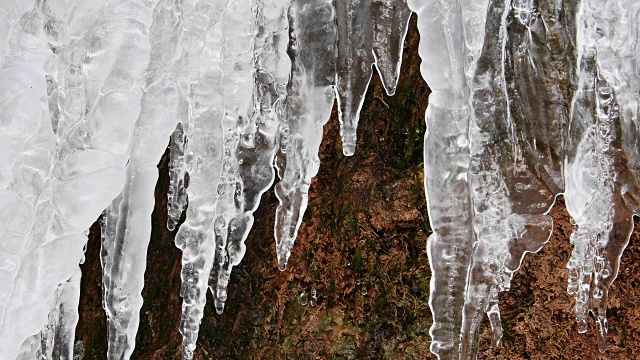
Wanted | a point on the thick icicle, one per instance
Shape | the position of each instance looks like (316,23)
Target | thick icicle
(125,246)
(517,166)
(390,24)
(514,170)
(308,107)
(602,188)
(444,65)
(355,59)
(27,143)
(513,180)
(89,164)
(249,171)
(203,154)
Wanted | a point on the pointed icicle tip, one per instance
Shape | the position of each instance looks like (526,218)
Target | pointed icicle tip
(219,305)
(390,90)
(349,139)
(282,263)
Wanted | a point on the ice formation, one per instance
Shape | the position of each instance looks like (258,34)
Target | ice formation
(531,99)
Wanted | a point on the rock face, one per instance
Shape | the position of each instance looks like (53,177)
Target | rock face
(357,284)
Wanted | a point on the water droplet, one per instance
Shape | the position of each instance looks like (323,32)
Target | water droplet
(313,300)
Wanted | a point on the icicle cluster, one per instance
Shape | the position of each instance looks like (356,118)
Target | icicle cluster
(91,92)
(531,99)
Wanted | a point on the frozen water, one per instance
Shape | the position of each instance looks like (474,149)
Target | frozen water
(531,99)
(602,154)
(309,102)
(124,244)
(539,108)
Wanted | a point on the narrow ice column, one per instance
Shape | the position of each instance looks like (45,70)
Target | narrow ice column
(69,299)
(355,59)
(309,102)
(89,163)
(108,231)
(390,23)
(124,248)
(492,137)
(63,318)
(445,50)
(177,195)
(203,152)
(255,151)
(602,191)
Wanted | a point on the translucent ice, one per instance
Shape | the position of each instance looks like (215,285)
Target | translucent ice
(247,165)
(176,196)
(309,102)
(126,236)
(601,164)
(446,172)
(202,152)
(354,66)
(535,124)
(390,22)
(530,99)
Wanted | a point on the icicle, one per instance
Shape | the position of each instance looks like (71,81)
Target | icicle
(125,246)
(390,24)
(513,196)
(177,195)
(602,191)
(513,186)
(530,98)
(253,171)
(510,198)
(355,59)
(444,67)
(202,158)
(308,107)
(108,232)
(64,318)
(89,163)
